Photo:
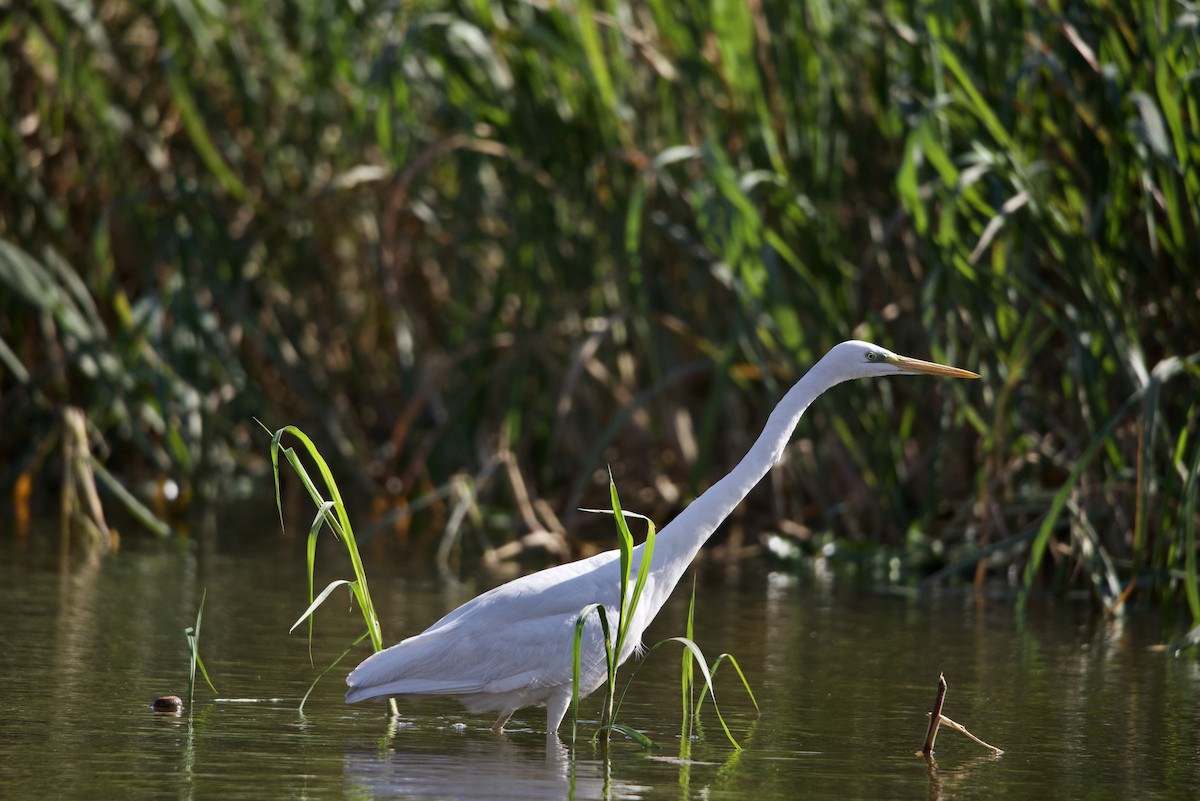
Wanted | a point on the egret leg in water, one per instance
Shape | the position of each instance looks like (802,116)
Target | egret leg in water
(511,647)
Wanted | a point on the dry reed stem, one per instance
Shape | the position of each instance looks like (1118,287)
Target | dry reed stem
(80,500)
(952,724)
(935,717)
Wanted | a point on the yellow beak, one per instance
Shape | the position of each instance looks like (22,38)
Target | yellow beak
(909,365)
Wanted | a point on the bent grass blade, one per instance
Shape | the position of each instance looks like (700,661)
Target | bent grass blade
(333,585)
(331,666)
(693,650)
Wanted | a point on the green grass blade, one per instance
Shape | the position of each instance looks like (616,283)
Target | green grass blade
(629,601)
(333,585)
(698,655)
(332,512)
(975,100)
(341,527)
(647,559)
(10,360)
(686,673)
(633,734)
(628,606)
(275,446)
(138,509)
(576,657)
(193,646)
(314,530)
(193,638)
(716,665)
(589,36)
(193,124)
(625,544)
(204,673)
(331,666)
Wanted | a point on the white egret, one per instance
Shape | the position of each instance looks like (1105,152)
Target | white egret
(511,646)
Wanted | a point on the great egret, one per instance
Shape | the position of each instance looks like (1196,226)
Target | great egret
(511,646)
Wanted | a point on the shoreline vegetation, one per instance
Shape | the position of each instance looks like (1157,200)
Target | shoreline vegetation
(480,251)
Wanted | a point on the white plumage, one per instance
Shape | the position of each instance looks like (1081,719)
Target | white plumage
(511,646)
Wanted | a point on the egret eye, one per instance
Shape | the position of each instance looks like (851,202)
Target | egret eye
(872,355)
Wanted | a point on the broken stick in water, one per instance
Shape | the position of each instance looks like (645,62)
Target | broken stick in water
(936,718)
(963,729)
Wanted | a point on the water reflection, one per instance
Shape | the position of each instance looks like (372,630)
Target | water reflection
(944,784)
(470,764)
(480,767)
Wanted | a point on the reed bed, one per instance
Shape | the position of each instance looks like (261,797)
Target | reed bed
(585,233)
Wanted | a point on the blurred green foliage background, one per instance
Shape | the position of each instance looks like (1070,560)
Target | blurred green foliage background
(484,249)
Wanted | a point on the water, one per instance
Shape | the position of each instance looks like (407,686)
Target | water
(1083,707)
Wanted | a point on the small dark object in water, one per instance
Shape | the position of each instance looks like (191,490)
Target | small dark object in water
(169,704)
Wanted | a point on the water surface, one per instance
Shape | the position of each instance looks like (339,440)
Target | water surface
(1083,707)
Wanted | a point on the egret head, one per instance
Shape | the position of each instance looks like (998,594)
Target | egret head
(858,359)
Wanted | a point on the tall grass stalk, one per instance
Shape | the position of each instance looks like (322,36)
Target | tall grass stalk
(194,660)
(687,669)
(628,603)
(331,513)
(629,600)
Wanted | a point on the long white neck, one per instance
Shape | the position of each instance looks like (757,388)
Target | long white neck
(679,542)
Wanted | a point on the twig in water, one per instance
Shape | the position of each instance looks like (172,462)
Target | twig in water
(963,729)
(935,717)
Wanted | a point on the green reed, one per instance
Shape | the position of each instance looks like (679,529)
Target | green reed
(331,513)
(585,220)
(630,597)
(629,600)
(192,633)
